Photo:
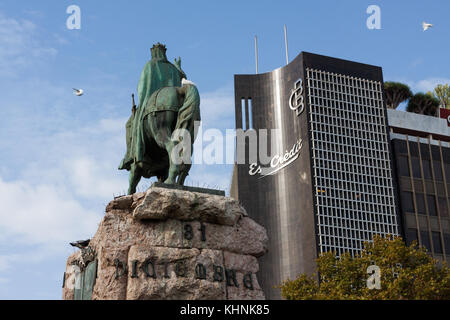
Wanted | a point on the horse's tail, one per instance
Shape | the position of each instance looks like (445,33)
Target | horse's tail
(190,110)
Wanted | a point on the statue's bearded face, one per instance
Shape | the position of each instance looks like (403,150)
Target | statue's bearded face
(159,52)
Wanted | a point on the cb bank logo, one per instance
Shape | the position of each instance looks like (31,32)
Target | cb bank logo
(296,102)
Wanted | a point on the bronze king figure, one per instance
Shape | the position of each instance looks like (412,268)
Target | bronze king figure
(160,131)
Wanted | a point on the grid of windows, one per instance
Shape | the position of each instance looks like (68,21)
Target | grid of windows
(352,169)
(421,166)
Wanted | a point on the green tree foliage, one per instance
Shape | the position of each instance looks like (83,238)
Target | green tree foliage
(442,93)
(396,93)
(423,104)
(407,273)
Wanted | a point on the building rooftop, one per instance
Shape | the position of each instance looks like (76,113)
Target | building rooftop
(418,125)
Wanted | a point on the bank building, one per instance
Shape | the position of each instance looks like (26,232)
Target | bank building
(337,171)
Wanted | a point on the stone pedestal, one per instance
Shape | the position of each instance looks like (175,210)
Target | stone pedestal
(170,244)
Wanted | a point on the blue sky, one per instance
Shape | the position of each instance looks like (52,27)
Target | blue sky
(59,153)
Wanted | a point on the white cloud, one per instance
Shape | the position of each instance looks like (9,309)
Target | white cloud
(424,85)
(217,108)
(429,84)
(6,261)
(84,159)
(4,280)
(19,46)
(213,176)
(59,194)
(416,62)
(60,40)
(93,179)
(43,214)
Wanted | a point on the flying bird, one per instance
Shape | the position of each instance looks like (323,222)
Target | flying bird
(80,244)
(426,26)
(78,92)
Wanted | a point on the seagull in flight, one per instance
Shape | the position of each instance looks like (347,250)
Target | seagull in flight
(78,92)
(426,26)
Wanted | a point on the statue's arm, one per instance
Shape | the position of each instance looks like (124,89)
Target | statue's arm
(178,66)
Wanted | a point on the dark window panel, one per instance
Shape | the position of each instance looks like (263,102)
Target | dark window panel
(403,166)
(446,155)
(411,235)
(407,202)
(437,244)
(415,163)
(435,153)
(443,208)
(420,202)
(437,170)
(424,235)
(431,201)
(425,151)
(413,148)
(447,243)
(400,146)
(426,164)
(447,172)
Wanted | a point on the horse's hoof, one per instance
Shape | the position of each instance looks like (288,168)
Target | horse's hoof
(169,181)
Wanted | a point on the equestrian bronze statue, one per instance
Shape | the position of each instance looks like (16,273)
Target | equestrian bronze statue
(160,131)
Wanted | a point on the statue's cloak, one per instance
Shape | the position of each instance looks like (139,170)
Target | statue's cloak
(157,73)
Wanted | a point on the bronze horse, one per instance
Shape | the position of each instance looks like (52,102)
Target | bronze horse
(167,129)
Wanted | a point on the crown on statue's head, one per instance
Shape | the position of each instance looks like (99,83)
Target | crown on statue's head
(158,48)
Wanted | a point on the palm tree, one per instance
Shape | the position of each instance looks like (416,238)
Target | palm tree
(442,93)
(396,93)
(423,104)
